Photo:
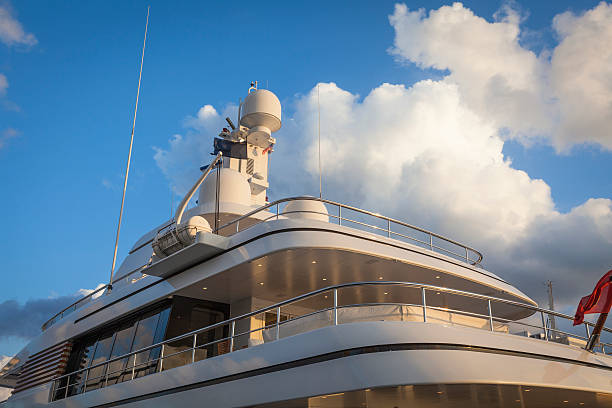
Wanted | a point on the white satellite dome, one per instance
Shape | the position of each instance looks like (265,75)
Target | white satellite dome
(306,210)
(233,188)
(261,112)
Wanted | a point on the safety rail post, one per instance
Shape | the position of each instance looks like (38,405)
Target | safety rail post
(277,211)
(544,326)
(85,381)
(195,344)
(335,307)
(388,228)
(467,258)
(430,241)
(424,305)
(490,315)
(237,226)
(161,358)
(339,215)
(106,376)
(588,332)
(134,366)
(67,385)
(278,323)
(232,329)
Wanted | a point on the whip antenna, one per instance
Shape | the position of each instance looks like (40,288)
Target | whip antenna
(127,168)
(319,124)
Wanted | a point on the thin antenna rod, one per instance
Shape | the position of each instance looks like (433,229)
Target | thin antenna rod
(127,168)
(319,119)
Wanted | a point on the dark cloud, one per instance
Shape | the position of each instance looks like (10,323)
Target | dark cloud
(25,320)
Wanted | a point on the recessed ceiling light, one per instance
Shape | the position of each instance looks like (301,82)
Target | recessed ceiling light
(324,278)
(380,278)
(261,283)
(314,262)
(517,400)
(437,293)
(204,288)
(527,390)
(386,293)
(437,276)
(565,401)
(439,392)
(259,265)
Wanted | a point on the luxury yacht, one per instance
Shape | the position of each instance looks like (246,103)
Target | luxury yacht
(301,302)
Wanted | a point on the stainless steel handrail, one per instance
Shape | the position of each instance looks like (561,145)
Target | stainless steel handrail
(73,307)
(475,259)
(231,323)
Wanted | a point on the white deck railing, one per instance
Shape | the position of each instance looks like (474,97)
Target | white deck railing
(409,302)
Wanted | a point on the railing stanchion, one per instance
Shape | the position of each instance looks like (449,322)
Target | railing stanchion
(424,305)
(277,211)
(544,326)
(106,377)
(134,366)
(278,323)
(339,215)
(588,332)
(431,242)
(193,350)
(388,228)
(335,307)
(232,329)
(67,385)
(161,358)
(467,258)
(490,315)
(85,380)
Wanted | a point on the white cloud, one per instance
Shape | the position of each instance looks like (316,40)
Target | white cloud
(11,30)
(6,135)
(85,292)
(582,76)
(180,163)
(3,85)
(567,98)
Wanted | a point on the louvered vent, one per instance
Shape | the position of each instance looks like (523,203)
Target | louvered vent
(250,166)
(43,366)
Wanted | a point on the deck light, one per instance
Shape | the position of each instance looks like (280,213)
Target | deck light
(314,262)
(386,293)
(261,283)
(527,390)
(565,401)
(380,278)
(259,265)
(204,288)
(439,392)
(324,278)
(437,276)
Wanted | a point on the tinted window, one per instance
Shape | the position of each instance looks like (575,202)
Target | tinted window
(103,349)
(123,345)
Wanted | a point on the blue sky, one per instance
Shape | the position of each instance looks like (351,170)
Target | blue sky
(70,100)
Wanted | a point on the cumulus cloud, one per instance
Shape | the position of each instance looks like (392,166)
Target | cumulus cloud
(566,98)
(432,153)
(11,30)
(180,162)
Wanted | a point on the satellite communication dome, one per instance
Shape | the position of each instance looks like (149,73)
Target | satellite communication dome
(233,188)
(261,112)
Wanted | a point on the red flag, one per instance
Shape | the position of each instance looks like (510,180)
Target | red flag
(599,301)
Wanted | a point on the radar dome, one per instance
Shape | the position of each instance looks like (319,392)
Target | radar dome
(233,187)
(306,210)
(261,111)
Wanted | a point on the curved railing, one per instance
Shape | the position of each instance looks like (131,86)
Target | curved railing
(86,299)
(390,227)
(338,304)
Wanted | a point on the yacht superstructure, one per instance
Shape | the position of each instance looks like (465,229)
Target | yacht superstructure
(301,302)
